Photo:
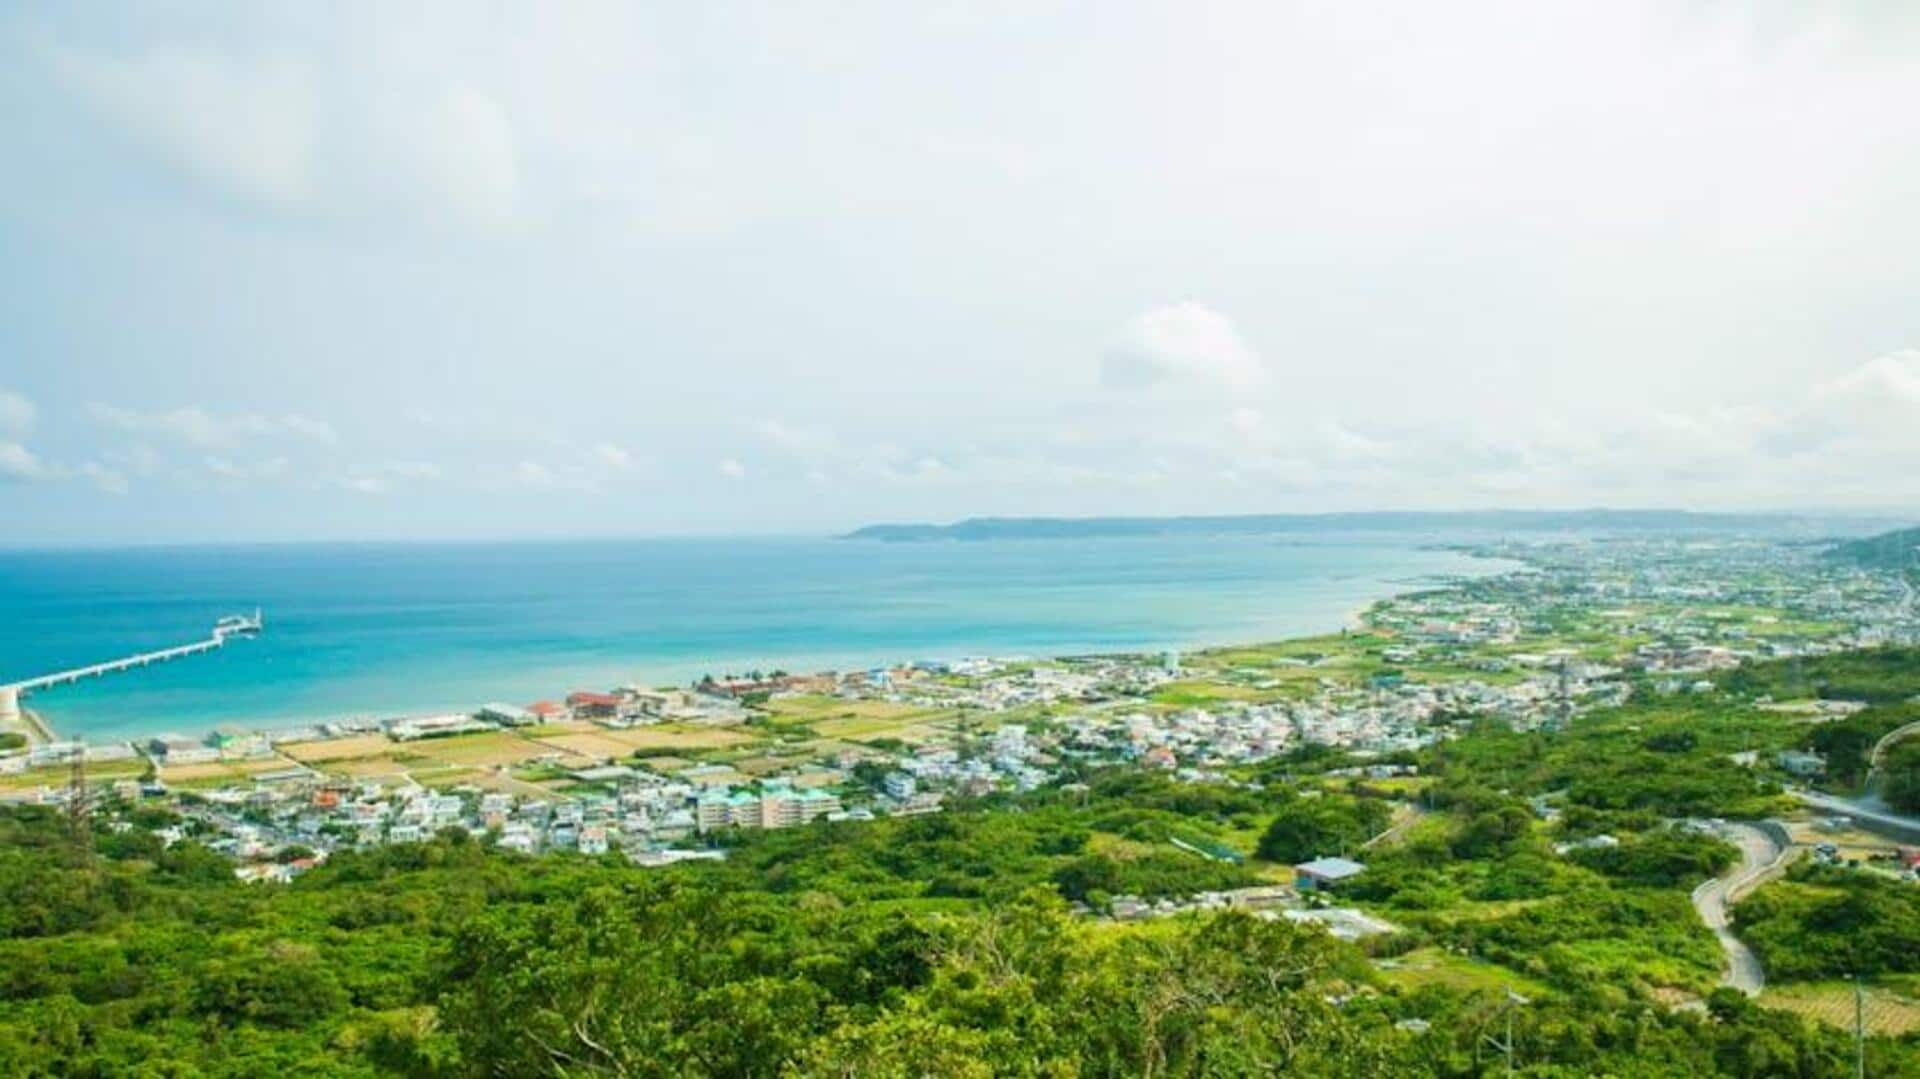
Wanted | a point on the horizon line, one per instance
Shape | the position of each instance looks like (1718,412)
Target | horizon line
(1805,513)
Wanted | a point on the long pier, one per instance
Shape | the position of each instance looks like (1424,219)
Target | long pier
(233,625)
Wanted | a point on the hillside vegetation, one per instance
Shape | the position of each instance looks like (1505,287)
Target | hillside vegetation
(947,944)
(1899,549)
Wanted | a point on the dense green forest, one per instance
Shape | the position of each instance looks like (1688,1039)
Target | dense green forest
(1876,675)
(1902,768)
(1831,923)
(935,946)
(451,959)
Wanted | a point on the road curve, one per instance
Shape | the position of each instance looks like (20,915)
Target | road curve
(1758,853)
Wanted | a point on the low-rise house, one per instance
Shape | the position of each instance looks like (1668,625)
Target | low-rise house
(1801,763)
(174,749)
(506,715)
(587,704)
(1324,874)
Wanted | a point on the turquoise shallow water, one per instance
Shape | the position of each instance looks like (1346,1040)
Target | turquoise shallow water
(380,630)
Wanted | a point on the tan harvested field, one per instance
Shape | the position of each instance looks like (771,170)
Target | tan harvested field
(856,727)
(366,767)
(922,734)
(564,726)
(677,737)
(760,766)
(1884,1012)
(335,749)
(482,750)
(58,775)
(817,708)
(440,778)
(179,773)
(833,748)
(1853,842)
(666,765)
(597,745)
(725,778)
(506,784)
(616,744)
(274,763)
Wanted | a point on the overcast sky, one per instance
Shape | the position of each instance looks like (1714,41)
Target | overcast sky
(331,270)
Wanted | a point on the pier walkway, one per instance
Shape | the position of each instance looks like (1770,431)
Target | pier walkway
(231,626)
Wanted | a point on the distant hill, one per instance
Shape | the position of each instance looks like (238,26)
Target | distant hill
(1899,549)
(1597,520)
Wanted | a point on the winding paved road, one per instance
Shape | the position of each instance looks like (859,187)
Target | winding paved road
(1758,854)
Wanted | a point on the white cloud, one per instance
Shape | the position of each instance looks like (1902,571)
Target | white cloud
(20,464)
(229,469)
(415,470)
(196,426)
(534,474)
(110,480)
(732,469)
(1880,397)
(470,156)
(380,480)
(613,456)
(16,415)
(1347,444)
(301,130)
(248,126)
(795,439)
(140,459)
(1180,342)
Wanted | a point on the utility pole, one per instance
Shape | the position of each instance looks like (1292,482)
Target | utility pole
(79,807)
(1859,1031)
(1509,1041)
(1513,1001)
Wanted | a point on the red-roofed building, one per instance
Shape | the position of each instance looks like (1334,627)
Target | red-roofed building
(1159,757)
(593,705)
(548,710)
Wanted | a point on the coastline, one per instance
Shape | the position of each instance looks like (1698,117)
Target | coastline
(1284,618)
(39,731)
(1353,620)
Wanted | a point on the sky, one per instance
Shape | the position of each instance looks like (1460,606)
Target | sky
(276,271)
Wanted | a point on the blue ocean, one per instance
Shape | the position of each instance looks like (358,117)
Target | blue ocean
(376,630)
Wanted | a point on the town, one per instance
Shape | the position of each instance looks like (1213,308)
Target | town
(664,775)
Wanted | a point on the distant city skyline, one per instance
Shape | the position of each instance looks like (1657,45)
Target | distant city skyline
(617,270)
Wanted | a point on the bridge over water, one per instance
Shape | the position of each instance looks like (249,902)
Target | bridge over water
(233,625)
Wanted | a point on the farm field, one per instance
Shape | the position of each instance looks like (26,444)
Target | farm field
(1884,1011)
(222,770)
(57,775)
(490,748)
(1198,694)
(813,710)
(1431,966)
(334,749)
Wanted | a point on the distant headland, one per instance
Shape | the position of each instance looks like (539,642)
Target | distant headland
(1589,520)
